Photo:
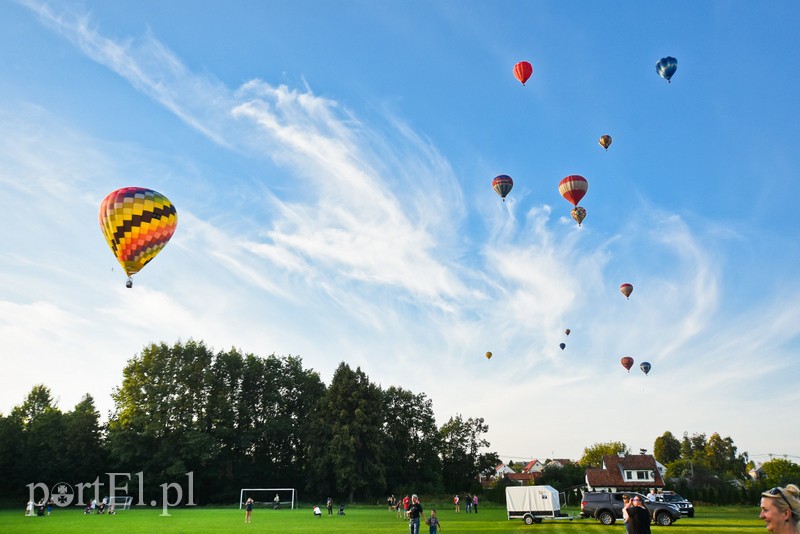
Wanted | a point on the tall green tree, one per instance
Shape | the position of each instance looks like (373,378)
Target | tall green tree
(412,443)
(346,448)
(462,462)
(160,414)
(667,448)
(83,444)
(593,456)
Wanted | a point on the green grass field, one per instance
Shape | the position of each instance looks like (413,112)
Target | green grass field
(372,520)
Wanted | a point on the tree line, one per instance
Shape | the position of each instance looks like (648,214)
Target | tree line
(239,420)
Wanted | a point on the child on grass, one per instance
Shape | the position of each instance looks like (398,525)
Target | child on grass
(433,521)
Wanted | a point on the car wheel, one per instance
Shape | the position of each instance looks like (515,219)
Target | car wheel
(528,519)
(607,518)
(664,519)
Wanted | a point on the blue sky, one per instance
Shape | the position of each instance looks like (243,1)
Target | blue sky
(331,166)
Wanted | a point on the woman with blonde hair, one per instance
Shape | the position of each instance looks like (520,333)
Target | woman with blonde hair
(780,509)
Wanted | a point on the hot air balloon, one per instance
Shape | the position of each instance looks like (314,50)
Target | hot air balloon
(562,345)
(573,188)
(502,184)
(488,355)
(523,71)
(137,223)
(627,363)
(666,67)
(645,367)
(567,331)
(579,214)
(626,289)
(605,141)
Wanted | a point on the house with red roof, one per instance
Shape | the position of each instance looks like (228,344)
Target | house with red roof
(633,472)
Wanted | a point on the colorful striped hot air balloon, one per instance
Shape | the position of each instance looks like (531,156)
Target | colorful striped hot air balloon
(137,223)
(502,185)
(573,188)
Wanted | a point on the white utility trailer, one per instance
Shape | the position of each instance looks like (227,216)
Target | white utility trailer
(533,503)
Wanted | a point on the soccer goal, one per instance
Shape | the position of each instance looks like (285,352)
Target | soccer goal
(269,497)
(121,502)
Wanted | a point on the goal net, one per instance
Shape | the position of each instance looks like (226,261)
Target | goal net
(120,502)
(269,497)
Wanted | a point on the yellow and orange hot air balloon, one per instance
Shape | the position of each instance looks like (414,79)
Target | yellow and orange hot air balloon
(137,223)
(488,355)
(605,141)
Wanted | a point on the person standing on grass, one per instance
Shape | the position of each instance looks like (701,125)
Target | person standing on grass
(457,502)
(780,509)
(433,522)
(638,517)
(468,500)
(248,510)
(414,514)
(475,503)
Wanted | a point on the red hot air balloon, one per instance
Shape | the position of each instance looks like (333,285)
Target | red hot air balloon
(573,188)
(567,331)
(502,185)
(523,71)
(626,289)
(627,363)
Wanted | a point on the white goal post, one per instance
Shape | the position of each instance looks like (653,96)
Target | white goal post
(120,502)
(266,497)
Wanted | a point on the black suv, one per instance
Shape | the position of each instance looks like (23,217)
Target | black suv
(607,507)
(685,506)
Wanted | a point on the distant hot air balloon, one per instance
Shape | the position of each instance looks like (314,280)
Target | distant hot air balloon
(573,188)
(523,71)
(502,184)
(645,367)
(562,345)
(626,289)
(567,331)
(488,355)
(605,141)
(666,67)
(578,213)
(627,363)
(137,223)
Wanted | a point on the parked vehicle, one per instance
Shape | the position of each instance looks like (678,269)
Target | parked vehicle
(607,507)
(533,503)
(684,505)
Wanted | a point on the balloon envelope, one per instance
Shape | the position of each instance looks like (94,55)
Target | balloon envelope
(579,214)
(523,71)
(137,223)
(645,367)
(605,141)
(502,184)
(573,188)
(488,355)
(567,331)
(626,289)
(627,363)
(562,345)
(666,67)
